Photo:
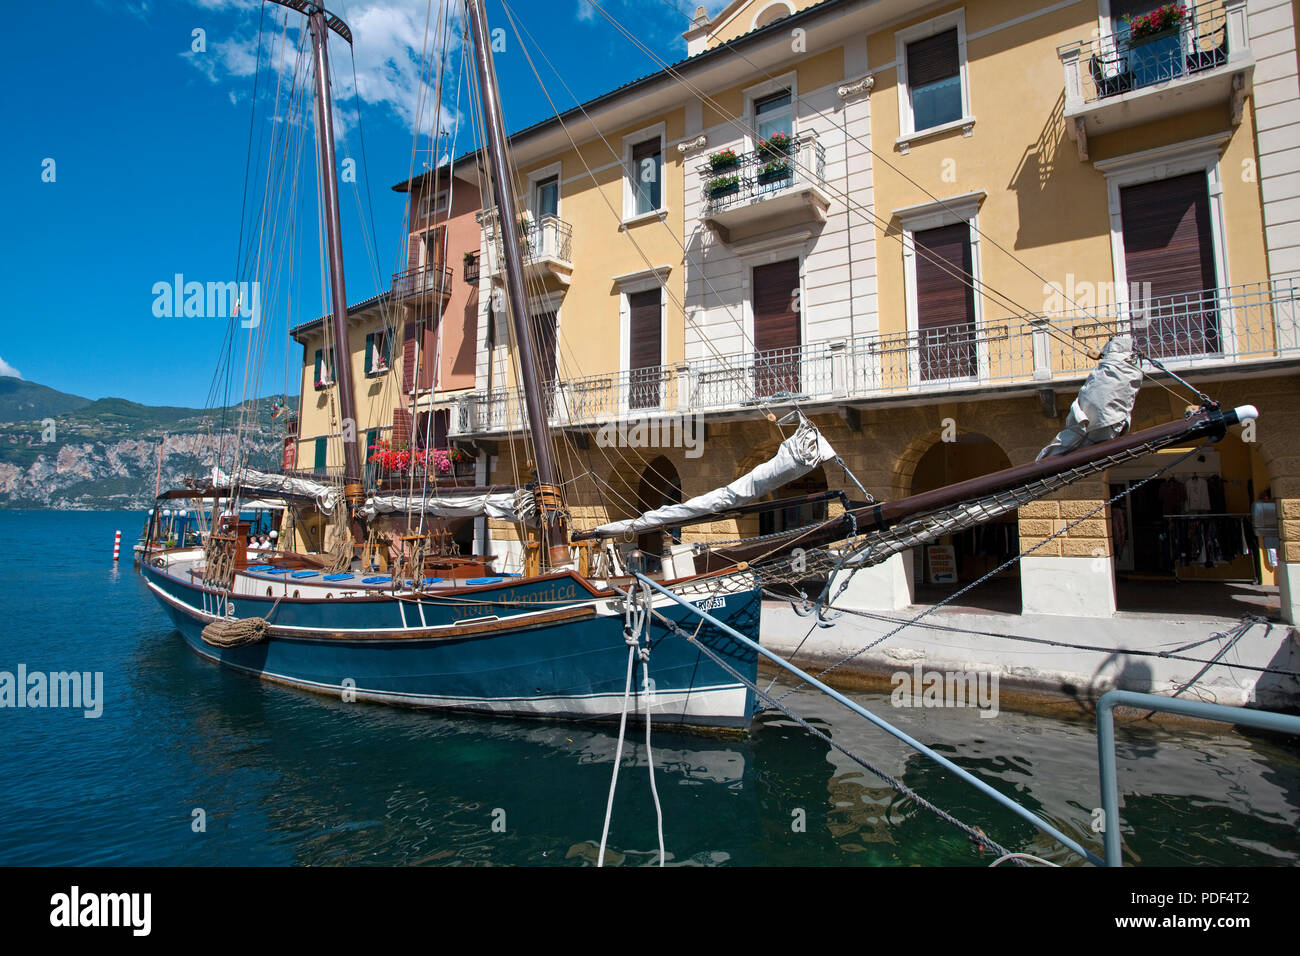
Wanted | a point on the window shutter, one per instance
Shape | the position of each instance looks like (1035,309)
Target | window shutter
(932,59)
(1167,244)
(945,302)
(645,347)
(319,355)
(410,341)
(544,345)
(320,453)
(776,327)
(372,438)
(401,427)
(370,352)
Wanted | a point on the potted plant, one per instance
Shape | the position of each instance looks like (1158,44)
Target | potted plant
(723,186)
(723,160)
(776,145)
(1159,23)
(772,172)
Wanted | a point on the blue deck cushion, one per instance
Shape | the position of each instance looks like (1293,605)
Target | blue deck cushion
(304,574)
(263,567)
(485,580)
(426,581)
(338,577)
(279,571)
(376,580)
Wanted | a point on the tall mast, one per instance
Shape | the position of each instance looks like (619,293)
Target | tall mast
(319,21)
(555,540)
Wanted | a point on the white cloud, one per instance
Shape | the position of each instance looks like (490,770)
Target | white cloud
(392,40)
(8,371)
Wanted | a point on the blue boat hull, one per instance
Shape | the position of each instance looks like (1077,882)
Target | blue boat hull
(409,650)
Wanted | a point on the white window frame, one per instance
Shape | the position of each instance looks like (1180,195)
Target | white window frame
(630,215)
(427,209)
(932,215)
(1166,162)
(759,91)
(535,179)
(643,281)
(906,127)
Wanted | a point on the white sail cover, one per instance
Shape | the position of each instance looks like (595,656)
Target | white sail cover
(1102,409)
(509,506)
(799,454)
(327,497)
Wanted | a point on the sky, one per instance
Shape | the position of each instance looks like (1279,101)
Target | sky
(127,136)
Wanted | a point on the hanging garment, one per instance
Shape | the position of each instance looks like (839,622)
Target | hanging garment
(1198,494)
(1172,496)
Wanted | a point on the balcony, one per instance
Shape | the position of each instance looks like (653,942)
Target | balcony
(425,283)
(547,246)
(1232,327)
(1116,80)
(471,268)
(765,190)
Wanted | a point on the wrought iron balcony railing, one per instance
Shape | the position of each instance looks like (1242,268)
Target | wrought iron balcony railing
(426,281)
(546,239)
(1201,38)
(1206,328)
(762,173)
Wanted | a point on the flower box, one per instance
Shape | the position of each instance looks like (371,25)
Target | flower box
(1156,25)
(776,145)
(774,172)
(723,160)
(723,186)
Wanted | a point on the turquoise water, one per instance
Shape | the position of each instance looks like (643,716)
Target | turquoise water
(285,777)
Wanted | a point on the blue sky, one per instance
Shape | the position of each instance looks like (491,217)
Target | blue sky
(125,154)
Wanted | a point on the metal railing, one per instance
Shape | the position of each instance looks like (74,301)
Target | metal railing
(1127,59)
(426,280)
(1264,719)
(545,238)
(762,173)
(471,268)
(1211,327)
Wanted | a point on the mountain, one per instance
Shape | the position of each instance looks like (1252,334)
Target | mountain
(66,452)
(26,401)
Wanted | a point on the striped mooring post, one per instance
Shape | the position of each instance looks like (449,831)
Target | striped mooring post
(117,544)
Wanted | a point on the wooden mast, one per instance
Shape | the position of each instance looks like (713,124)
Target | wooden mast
(319,21)
(555,550)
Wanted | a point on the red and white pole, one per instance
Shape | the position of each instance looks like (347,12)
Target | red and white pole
(117,544)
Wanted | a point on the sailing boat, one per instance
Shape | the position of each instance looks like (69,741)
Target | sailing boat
(561,639)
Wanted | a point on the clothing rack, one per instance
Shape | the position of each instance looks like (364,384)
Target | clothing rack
(1197,516)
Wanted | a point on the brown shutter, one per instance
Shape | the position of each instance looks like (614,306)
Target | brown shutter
(932,59)
(1167,244)
(645,347)
(401,427)
(776,327)
(429,360)
(544,345)
(945,303)
(413,252)
(409,341)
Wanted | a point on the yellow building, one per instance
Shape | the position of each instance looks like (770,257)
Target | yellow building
(913,224)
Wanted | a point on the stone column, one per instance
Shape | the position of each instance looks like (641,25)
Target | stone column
(1288,569)
(1072,574)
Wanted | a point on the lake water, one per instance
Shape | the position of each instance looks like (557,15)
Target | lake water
(279,776)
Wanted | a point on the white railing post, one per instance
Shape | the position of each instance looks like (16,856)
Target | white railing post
(1073,84)
(1235,14)
(1042,348)
(839,354)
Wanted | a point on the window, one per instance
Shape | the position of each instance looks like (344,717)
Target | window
(1169,261)
(321,450)
(324,375)
(776,329)
(945,303)
(378,352)
(645,347)
(546,198)
(647,175)
(435,204)
(934,80)
(774,114)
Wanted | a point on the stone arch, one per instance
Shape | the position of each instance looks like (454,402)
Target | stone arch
(660,484)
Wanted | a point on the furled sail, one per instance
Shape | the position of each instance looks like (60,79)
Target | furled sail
(1102,409)
(327,497)
(508,506)
(799,454)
